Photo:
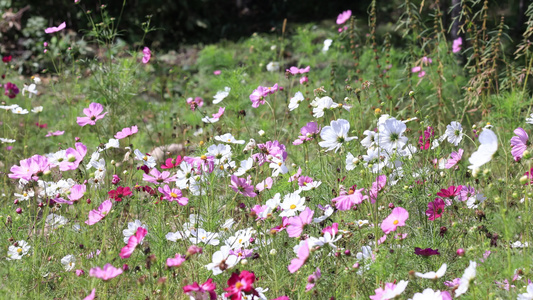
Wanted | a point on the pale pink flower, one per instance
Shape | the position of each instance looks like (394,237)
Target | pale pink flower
(93,292)
(108,272)
(159,177)
(93,114)
(265,184)
(30,169)
(347,201)
(343,17)
(454,159)
(217,72)
(242,186)
(173,194)
(56,29)
(297,223)
(396,219)
(303,255)
(124,133)
(147,54)
(55,133)
(74,157)
(177,261)
(519,143)
(457,43)
(77,191)
(96,215)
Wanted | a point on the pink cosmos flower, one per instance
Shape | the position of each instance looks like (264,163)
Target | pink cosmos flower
(416,69)
(177,261)
(96,215)
(56,29)
(304,79)
(79,272)
(346,202)
(424,141)
(194,103)
(220,112)
(204,162)
(147,54)
(108,272)
(312,279)
(303,255)
(159,177)
(55,133)
(382,239)
(74,157)
(242,253)
(258,96)
(466,192)
(217,72)
(173,194)
(265,184)
(240,282)
(297,223)
(30,169)
(203,291)
(333,229)
(426,60)
(124,133)
(377,186)
(91,295)
(454,159)
(422,74)
(310,131)
(134,240)
(283,226)
(457,43)
(92,114)
(242,186)
(396,219)
(77,192)
(296,175)
(435,209)
(296,71)
(519,143)
(343,17)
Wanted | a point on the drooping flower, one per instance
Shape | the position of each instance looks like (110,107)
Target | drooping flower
(519,143)
(303,255)
(312,279)
(124,133)
(56,29)
(424,140)
(435,209)
(335,135)
(133,241)
(176,261)
(108,272)
(194,103)
(396,219)
(93,114)
(147,54)
(457,43)
(202,291)
(96,215)
(297,223)
(468,275)
(433,275)
(426,252)
(489,146)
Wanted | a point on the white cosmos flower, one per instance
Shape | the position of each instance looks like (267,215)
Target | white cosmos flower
(37,109)
(390,135)
(228,138)
(328,211)
(489,145)
(320,104)
(221,152)
(528,295)
(433,275)
(295,101)
(221,95)
(68,262)
(475,201)
(202,236)
(351,161)
(327,44)
(19,110)
(31,89)
(278,167)
(3,140)
(55,221)
(245,166)
(224,259)
(132,230)
(16,252)
(178,235)
(292,203)
(370,138)
(428,294)
(468,275)
(454,133)
(147,160)
(335,135)
(272,66)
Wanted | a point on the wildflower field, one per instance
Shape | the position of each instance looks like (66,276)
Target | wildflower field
(319,161)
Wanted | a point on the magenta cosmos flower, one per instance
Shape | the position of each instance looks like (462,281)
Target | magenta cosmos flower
(133,241)
(108,272)
(147,54)
(242,186)
(426,252)
(93,114)
(519,143)
(396,219)
(240,282)
(343,17)
(205,290)
(435,209)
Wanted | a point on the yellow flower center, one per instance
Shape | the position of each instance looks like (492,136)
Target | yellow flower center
(293,206)
(395,222)
(279,164)
(173,195)
(145,158)
(238,285)
(229,140)
(19,250)
(203,157)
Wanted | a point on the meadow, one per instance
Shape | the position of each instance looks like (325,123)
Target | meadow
(341,160)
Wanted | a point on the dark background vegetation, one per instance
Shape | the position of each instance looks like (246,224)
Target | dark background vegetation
(205,21)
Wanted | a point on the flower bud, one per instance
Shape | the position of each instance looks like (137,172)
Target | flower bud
(460,252)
